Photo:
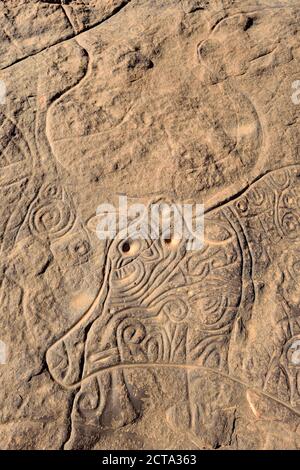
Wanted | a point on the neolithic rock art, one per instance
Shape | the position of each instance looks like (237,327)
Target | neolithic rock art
(162,306)
(141,343)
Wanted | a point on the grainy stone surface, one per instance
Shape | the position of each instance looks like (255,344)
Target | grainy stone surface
(155,346)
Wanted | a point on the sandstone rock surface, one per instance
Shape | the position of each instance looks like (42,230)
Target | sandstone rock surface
(144,344)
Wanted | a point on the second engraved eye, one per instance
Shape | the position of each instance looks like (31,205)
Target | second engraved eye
(171,241)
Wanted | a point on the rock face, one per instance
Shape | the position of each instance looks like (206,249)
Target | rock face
(135,342)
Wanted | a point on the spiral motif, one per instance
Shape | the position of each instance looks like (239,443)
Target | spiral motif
(130,335)
(89,400)
(50,191)
(290,225)
(132,332)
(211,308)
(175,309)
(51,220)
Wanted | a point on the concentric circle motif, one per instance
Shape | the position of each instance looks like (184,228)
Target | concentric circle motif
(51,220)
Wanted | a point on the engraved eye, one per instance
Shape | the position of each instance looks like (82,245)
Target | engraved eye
(126,247)
(131,247)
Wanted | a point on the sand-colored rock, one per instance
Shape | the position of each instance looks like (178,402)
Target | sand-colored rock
(145,344)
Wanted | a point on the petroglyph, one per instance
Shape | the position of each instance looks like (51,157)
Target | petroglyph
(140,342)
